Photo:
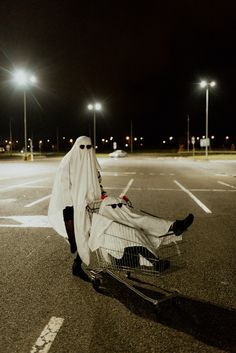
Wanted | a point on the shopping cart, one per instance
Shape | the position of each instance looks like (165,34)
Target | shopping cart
(120,253)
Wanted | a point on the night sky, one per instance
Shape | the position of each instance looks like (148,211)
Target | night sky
(142,60)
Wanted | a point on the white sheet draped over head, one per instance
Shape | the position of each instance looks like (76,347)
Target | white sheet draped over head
(76,184)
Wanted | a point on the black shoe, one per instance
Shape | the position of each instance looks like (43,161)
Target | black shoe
(78,271)
(180,226)
(161,265)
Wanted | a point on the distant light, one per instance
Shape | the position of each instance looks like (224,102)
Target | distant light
(127,138)
(20,77)
(33,79)
(126,145)
(198,138)
(171,138)
(141,138)
(203,84)
(98,106)
(111,138)
(212,137)
(71,140)
(226,137)
(103,140)
(135,139)
(63,138)
(163,141)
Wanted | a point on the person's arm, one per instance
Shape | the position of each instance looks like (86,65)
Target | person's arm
(127,200)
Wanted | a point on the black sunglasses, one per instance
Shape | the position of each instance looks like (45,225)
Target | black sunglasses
(87,146)
(114,205)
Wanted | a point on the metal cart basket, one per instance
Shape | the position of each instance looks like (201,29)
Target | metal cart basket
(121,254)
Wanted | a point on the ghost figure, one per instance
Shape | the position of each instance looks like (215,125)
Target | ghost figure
(76,184)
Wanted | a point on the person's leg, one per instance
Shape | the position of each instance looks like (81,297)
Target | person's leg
(131,258)
(68,214)
(77,269)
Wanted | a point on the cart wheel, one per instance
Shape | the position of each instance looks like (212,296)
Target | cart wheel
(96,283)
(176,301)
(157,308)
(128,275)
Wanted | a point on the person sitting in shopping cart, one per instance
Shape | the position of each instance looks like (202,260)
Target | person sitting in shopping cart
(125,235)
(77,183)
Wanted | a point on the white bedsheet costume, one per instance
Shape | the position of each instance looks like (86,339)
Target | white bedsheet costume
(76,184)
(111,237)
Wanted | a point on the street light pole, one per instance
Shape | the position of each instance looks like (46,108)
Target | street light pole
(94,128)
(24,79)
(207,103)
(25,127)
(188,133)
(94,107)
(205,84)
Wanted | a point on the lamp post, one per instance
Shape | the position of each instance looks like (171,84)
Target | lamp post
(206,85)
(95,107)
(23,79)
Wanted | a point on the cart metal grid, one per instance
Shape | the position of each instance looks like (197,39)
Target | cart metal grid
(123,263)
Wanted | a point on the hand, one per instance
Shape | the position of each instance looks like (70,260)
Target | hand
(126,199)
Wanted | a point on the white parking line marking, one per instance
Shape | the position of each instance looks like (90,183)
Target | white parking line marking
(230,186)
(193,197)
(38,201)
(47,336)
(38,221)
(22,185)
(126,188)
(4,201)
(117,173)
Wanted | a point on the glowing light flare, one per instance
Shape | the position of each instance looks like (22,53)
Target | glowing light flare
(204,84)
(22,78)
(96,106)
(33,79)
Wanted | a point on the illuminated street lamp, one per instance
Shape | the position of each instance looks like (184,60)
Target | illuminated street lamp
(23,79)
(206,85)
(95,107)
